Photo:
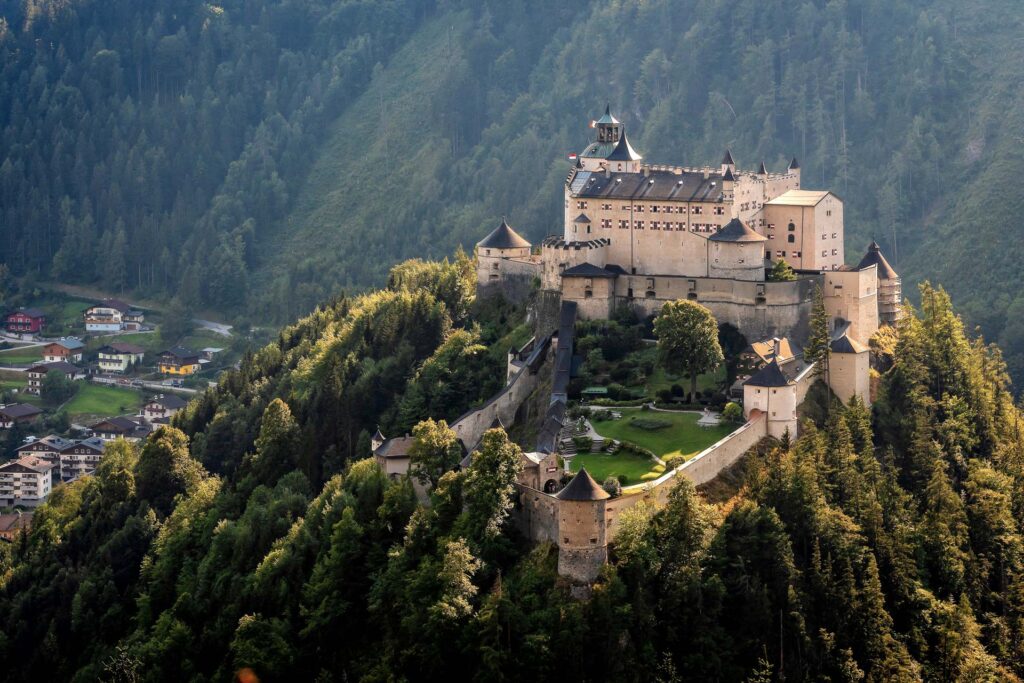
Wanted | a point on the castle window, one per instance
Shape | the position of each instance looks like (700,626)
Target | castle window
(791,239)
(639,208)
(780,254)
(833,235)
(771,235)
(697,210)
(581,204)
(824,236)
(835,252)
(829,212)
(719,210)
(593,541)
(623,224)
(655,208)
(495,266)
(655,225)
(606,223)
(791,227)
(639,225)
(796,254)
(487,251)
(824,252)
(606,207)
(771,226)
(588,294)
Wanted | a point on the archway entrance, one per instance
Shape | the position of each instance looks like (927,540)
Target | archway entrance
(550,486)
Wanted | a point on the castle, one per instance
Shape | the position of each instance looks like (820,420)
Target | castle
(640,235)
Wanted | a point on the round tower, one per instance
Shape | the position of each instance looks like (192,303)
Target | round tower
(736,252)
(494,251)
(772,392)
(582,541)
(890,289)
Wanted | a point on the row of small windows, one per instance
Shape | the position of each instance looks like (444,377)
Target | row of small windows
(583,204)
(781,253)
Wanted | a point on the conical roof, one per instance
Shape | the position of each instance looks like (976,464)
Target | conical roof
(793,165)
(763,170)
(736,231)
(847,344)
(623,151)
(607,118)
(503,237)
(728,175)
(727,159)
(377,436)
(771,375)
(874,257)
(582,487)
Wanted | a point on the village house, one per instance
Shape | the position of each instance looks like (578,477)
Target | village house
(112,315)
(25,321)
(26,481)
(161,408)
(119,357)
(73,458)
(66,349)
(36,373)
(178,361)
(15,524)
(17,413)
(130,429)
(391,454)
(81,458)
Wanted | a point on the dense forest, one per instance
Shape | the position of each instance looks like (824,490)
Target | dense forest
(258,156)
(255,534)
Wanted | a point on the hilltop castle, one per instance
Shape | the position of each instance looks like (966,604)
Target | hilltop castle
(640,234)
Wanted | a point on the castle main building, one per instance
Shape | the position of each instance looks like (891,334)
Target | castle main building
(641,234)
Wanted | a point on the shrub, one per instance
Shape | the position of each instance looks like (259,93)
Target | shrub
(664,396)
(623,480)
(677,390)
(583,443)
(674,461)
(649,424)
(612,486)
(732,412)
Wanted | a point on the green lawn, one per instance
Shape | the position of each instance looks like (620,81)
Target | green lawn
(683,437)
(98,400)
(659,379)
(21,356)
(602,465)
(150,341)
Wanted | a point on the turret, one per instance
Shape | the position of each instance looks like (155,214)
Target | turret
(794,169)
(728,165)
(611,151)
(890,289)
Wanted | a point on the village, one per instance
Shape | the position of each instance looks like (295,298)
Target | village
(76,375)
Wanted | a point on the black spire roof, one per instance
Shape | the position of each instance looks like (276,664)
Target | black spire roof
(793,165)
(623,151)
(503,237)
(846,344)
(874,258)
(728,175)
(763,170)
(770,375)
(736,231)
(727,159)
(582,487)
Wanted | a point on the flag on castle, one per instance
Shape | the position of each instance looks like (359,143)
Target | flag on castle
(573,156)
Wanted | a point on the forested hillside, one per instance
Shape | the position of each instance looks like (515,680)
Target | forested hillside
(254,533)
(256,156)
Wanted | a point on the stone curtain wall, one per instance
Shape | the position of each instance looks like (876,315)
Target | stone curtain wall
(505,404)
(701,469)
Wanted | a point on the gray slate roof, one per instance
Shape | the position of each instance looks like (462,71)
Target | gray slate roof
(845,344)
(688,186)
(874,257)
(503,237)
(582,487)
(736,231)
(770,375)
(623,151)
(587,270)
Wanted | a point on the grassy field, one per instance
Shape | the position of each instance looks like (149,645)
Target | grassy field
(659,379)
(18,380)
(603,465)
(97,400)
(684,437)
(150,341)
(21,356)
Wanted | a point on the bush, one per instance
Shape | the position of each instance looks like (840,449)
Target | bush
(612,486)
(623,480)
(674,461)
(664,396)
(732,412)
(583,443)
(677,390)
(649,424)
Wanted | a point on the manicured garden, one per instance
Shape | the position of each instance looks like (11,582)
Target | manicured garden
(663,433)
(629,465)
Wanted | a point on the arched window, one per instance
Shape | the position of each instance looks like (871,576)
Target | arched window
(792,227)
(792,238)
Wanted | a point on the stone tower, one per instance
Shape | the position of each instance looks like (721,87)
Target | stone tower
(890,290)
(582,539)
